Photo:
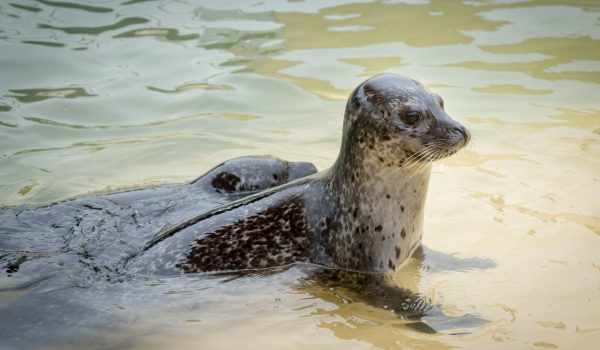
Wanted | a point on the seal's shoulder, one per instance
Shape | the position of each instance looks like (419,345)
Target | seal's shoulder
(270,228)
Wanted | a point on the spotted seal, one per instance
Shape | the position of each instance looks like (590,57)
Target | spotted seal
(39,239)
(364,213)
(252,173)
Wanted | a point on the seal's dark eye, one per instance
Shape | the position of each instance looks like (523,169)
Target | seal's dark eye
(412,118)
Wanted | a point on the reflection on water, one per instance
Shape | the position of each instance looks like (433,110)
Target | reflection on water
(35,95)
(385,311)
(101,96)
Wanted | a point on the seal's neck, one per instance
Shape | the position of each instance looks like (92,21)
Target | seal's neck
(380,208)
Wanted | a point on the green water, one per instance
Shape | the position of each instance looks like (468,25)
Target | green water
(104,95)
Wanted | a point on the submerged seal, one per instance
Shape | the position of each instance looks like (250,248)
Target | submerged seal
(248,174)
(364,213)
(82,230)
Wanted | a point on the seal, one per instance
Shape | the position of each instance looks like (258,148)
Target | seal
(364,213)
(252,173)
(82,230)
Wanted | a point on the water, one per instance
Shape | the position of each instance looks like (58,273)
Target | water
(97,96)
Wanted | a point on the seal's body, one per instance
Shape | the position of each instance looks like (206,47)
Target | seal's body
(93,233)
(364,213)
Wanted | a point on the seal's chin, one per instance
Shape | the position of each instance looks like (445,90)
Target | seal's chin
(443,154)
(452,150)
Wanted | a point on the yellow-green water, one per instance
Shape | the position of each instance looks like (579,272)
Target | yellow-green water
(97,96)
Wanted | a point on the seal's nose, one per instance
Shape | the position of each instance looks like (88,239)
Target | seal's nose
(466,135)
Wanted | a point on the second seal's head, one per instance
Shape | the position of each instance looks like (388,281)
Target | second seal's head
(401,116)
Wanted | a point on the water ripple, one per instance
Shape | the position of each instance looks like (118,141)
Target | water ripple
(194,86)
(26,8)
(36,95)
(45,121)
(75,6)
(125,22)
(43,43)
(169,34)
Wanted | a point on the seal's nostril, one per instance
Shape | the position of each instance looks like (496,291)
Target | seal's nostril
(462,131)
(458,130)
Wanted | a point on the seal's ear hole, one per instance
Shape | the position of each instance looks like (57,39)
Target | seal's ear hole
(381,112)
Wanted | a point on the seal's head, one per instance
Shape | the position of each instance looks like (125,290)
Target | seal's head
(393,128)
(403,116)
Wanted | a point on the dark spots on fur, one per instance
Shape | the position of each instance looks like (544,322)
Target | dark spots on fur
(14,266)
(355,213)
(403,233)
(225,181)
(402,208)
(397,249)
(378,228)
(374,95)
(276,236)
(387,196)
(412,135)
(360,246)
(275,177)
(355,102)
(381,159)
(382,238)
(391,265)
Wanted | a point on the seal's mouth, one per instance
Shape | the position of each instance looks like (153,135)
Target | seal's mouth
(437,150)
(445,146)
(439,154)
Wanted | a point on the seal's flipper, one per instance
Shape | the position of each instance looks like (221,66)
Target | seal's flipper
(380,291)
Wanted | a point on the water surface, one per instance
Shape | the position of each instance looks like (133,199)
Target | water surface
(104,95)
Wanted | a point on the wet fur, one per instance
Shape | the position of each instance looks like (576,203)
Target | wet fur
(365,213)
